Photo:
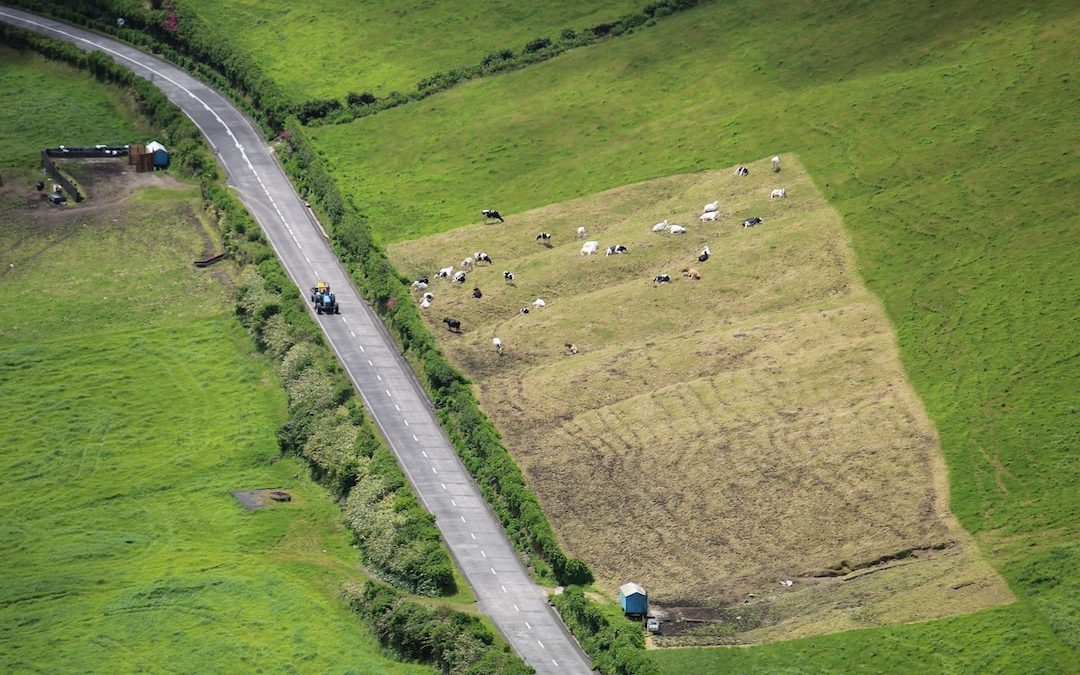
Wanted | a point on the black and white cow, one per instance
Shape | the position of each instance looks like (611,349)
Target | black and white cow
(662,279)
(618,249)
(742,171)
(508,277)
(750,222)
(492,213)
(543,236)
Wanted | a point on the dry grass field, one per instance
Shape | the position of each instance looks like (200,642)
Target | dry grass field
(712,438)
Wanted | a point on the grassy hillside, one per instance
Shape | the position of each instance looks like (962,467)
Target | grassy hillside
(712,437)
(326,49)
(47,104)
(133,404)
(945,136)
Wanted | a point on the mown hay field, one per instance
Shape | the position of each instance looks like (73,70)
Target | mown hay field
(324,49)
(712,438)
(133,403)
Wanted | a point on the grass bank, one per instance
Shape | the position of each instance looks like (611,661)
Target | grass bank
(47,104)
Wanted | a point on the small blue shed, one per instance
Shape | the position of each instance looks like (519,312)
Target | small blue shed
(633,599)
(161,155)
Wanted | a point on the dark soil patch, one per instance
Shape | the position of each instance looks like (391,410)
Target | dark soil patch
(262,497)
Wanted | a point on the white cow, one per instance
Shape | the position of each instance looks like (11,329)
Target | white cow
(425,303)
(498,345)
(711,206)
(709,217)
(677,229)
(539,302)
(444,273)
(776,163)
(778,193)
(466,263)
(661,226)
(581,232)
(590,247)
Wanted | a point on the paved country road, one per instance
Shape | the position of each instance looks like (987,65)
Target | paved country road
(504,590)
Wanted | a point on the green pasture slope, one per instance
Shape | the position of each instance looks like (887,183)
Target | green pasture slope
(132,402)
(48,104)
(325,49)
(945,133)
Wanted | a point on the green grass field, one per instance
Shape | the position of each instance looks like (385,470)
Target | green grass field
(945,136)
(47,104)
(133,402)
(326,49)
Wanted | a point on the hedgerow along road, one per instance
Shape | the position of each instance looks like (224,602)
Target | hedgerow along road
(503,588)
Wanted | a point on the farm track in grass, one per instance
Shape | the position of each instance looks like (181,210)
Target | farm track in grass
(133,403)
(323,49)
(713,437)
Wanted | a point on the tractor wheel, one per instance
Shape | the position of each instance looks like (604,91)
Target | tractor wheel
(337,310)
(318,310)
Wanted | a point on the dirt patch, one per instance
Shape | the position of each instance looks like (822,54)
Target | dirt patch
(712,437)
(262,497)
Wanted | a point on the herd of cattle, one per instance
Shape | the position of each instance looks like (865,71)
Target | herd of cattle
(710,213)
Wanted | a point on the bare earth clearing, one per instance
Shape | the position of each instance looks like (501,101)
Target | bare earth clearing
(716,437)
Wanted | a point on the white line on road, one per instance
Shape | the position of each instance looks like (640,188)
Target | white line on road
(415,438)
(444,487)
(472,535)
(378,376)
(346,320)
(352,333)
(397,407)
(387,391)
(434,470)
(493,571)
(463,519)
(361,347)
(370,363)
(528,626)
(453,503)
(482,553)
(516,608)
(541,644)
(424,453)
(502,587)
(405,421)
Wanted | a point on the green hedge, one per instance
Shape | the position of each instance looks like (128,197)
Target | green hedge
(454,642)
(326,424)
(617,645)
(536,50)
(474,436)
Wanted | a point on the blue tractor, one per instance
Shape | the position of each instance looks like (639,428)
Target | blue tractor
(323,299)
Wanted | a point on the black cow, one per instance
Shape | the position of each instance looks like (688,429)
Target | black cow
(750,222)
(662,279)
(452,324)
(492,213)
(704,255)
(476,292)
(40,185)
